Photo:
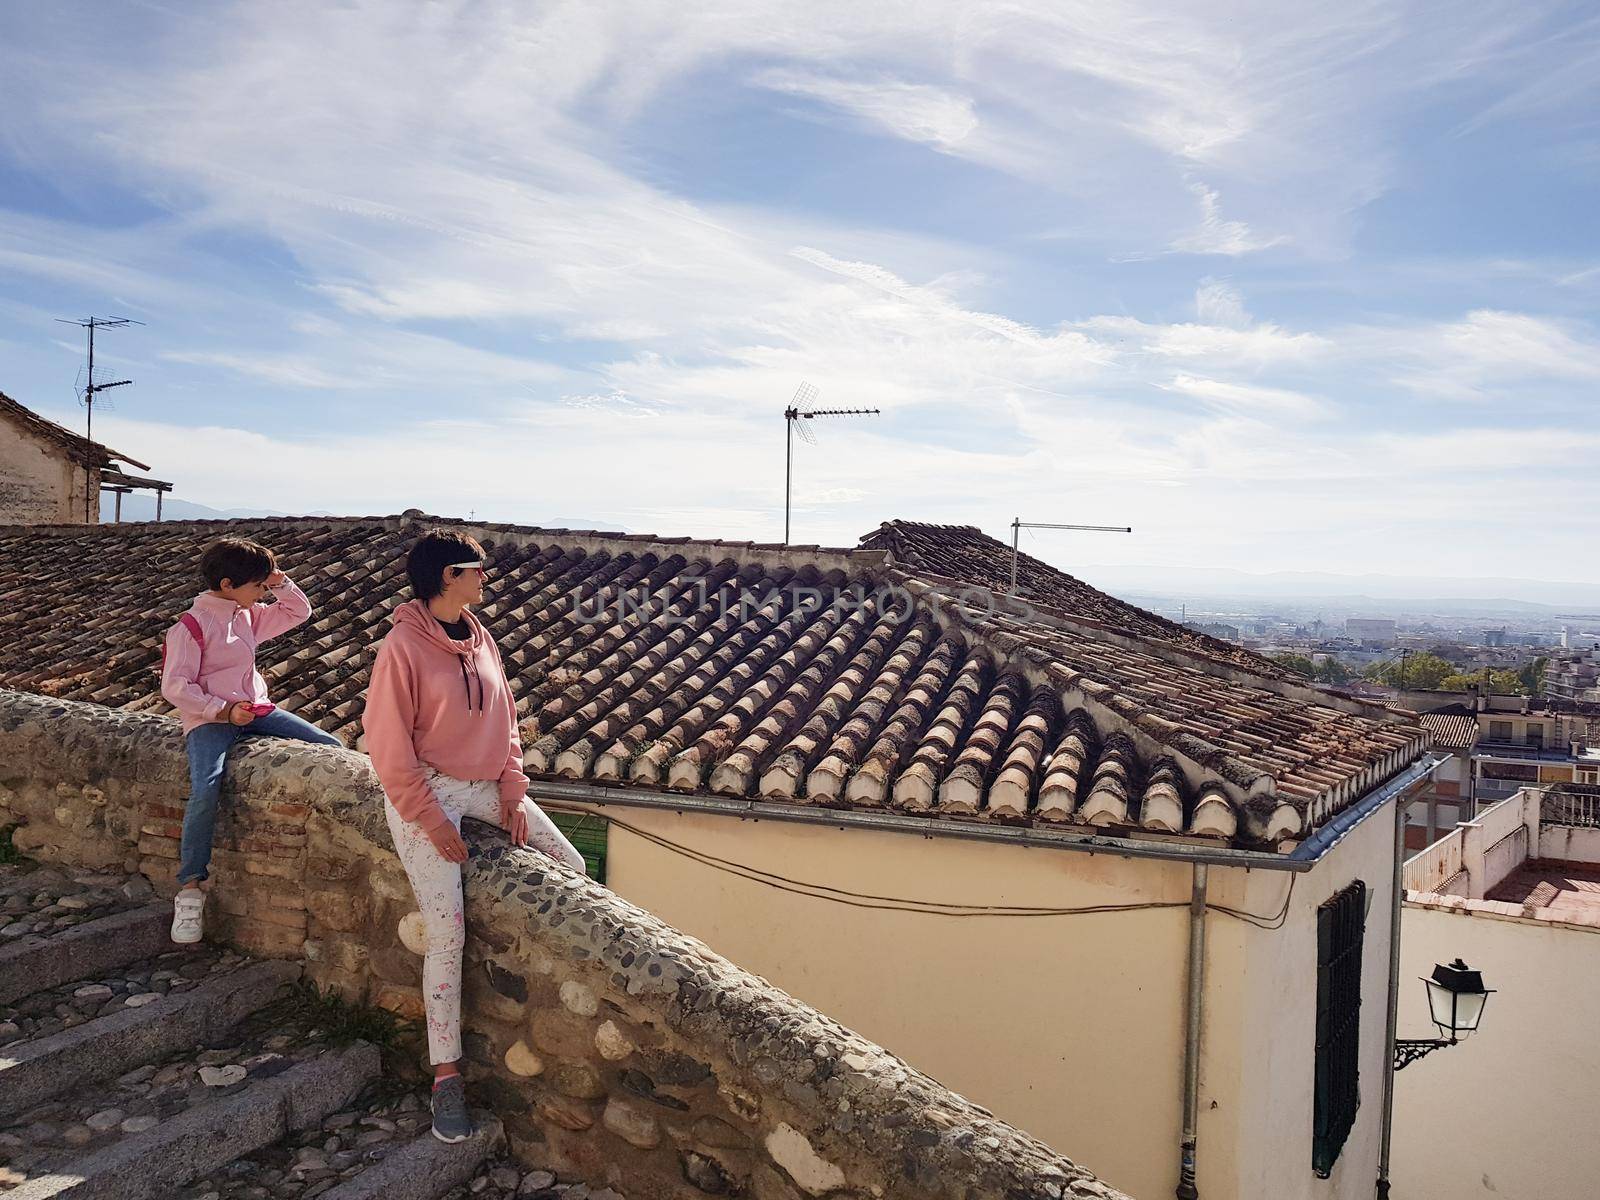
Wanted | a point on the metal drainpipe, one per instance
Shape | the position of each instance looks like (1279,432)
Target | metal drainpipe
(1193,1022)
(1392,1024)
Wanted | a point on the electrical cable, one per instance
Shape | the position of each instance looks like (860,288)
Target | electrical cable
(938,908)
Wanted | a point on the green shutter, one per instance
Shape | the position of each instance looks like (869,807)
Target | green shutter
(587,832)
(1336,1088)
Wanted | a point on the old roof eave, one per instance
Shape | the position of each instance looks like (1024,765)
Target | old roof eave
(1133,844)
(1046,614)
(1239,780)
(1264,815)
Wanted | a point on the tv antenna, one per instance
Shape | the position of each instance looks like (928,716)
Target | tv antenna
(792,416)
(91,389)
(1018,525)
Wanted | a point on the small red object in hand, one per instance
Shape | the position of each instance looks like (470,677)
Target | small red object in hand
(259,710)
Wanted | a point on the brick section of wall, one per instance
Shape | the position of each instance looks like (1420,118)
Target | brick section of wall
(610,1044)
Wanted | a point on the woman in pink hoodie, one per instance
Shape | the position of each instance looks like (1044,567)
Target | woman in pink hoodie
(441,728)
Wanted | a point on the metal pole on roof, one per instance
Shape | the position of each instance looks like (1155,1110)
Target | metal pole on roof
(91,490)
(1018,525)
(1194,1023)
(791,416)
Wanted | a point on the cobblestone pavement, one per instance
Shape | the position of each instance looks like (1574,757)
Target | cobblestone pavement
(265,1044)
(382,1119)
(133,986)
(45,901)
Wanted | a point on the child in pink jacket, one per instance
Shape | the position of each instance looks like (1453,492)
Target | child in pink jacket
(209,675)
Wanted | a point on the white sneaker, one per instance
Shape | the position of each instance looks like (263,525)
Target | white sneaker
(188,915)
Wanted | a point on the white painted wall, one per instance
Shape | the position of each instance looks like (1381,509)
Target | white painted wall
(1431,870)
(1507,1114)
(1480,853)
(1566,843)
(1272,1048)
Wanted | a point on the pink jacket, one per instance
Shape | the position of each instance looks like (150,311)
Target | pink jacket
(436,702)
(200,683)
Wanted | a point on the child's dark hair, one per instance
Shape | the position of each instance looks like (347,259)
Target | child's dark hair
(237,561)
(433,552)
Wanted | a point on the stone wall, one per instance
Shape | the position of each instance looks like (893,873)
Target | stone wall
(612,1045)
(39,483)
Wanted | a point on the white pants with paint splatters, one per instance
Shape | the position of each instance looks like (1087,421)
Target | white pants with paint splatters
(436,882)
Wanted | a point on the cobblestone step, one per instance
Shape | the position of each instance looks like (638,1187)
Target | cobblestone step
(135,1069)
(36,962)
(423,1168)
(136,1033)
(152,1163)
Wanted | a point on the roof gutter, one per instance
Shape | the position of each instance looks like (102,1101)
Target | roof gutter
(1303,858)
(1331,834)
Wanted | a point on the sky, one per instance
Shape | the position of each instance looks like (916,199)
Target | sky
(1283,289)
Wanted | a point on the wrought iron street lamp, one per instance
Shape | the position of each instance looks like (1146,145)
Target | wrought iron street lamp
(1456,997)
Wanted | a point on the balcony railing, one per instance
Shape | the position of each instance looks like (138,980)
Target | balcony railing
(1489,747)
(1567,808)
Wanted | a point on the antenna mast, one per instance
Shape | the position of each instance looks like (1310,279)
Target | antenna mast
(1018,525)
(91,389)
(795,413)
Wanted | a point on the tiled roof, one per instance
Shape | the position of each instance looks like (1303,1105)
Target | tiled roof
(1567,888)
(80,448)
(1454,727)
(967,554)
(840,680)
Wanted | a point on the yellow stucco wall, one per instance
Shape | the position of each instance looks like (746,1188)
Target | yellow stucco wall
(1070,1027)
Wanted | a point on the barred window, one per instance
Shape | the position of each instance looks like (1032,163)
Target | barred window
(1341,922)
(587,832)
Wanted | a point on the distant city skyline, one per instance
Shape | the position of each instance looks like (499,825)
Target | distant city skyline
(1284,291)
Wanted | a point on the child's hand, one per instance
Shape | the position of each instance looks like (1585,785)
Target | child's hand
(447,841)
(277,579)
(519,825)
(239,713)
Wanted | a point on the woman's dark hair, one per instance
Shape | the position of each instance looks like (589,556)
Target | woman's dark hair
(434,551)
(237,561)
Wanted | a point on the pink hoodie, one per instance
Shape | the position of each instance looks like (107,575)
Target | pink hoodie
(200,683)
(436,702)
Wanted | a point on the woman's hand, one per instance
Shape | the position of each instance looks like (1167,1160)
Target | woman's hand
(519,825)
(447,841)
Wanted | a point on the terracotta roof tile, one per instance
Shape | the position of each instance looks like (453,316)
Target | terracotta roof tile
(1452,730)
(966,554)
(783,675)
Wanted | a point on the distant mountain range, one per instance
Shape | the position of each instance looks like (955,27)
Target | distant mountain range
(137,507)
(1355,594)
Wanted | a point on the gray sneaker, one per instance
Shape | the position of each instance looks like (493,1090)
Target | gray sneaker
(450,1120)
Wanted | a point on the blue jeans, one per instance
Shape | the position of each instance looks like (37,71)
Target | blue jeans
(208,747)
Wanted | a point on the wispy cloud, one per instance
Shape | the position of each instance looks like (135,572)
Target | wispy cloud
(1218,302)
(1489,352)
(1217,236)
(915,111)
(1248,399)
